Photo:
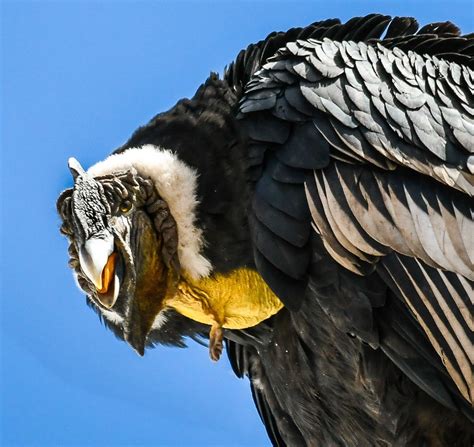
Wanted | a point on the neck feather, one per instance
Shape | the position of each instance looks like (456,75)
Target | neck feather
(176,183)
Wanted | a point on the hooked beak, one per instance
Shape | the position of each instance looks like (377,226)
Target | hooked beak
(98,262)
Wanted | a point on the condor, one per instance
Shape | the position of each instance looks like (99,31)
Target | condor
(312,212)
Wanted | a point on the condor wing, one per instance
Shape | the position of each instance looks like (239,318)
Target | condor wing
(362,154)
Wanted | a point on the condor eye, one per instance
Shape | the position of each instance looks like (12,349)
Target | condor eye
(126,206)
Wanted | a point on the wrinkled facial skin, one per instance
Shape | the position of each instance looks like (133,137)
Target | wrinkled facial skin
(122,260)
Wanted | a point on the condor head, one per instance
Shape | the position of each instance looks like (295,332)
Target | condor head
(124,241)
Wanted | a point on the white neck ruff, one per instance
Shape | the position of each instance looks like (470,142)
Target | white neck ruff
(176,183)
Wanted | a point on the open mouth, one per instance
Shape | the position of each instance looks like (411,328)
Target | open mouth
(108,273)
(112,276)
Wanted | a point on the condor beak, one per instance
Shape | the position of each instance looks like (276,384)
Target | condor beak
(98,262)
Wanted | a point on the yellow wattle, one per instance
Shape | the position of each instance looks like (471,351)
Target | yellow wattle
(236,300)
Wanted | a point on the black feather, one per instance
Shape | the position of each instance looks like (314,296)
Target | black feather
(326,158)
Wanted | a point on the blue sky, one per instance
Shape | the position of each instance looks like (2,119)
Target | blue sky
(77,79)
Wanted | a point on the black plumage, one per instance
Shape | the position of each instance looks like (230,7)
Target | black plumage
(336,160)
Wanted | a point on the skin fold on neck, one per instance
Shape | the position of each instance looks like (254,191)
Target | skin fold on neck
(236,300)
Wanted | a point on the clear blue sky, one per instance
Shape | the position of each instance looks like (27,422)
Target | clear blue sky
(77,79)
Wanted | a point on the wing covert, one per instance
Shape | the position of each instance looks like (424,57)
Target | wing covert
(375,143)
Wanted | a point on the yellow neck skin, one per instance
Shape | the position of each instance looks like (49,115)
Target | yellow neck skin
(236,300)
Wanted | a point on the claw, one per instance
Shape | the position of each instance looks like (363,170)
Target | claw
(216,337)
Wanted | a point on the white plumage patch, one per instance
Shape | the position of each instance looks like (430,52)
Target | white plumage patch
(160,320)
(176,183)
(112,316)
